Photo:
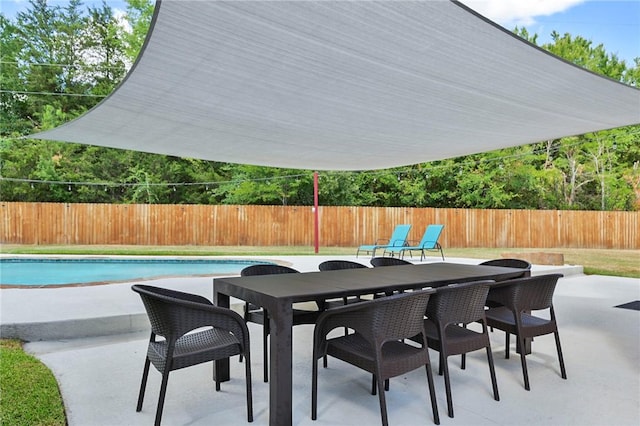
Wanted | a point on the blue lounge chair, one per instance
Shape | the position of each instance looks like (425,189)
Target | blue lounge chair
(398,239)
(429,241)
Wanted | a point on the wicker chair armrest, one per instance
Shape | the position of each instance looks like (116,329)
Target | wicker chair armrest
(173,314)
(182,296)
(338,317)
(503,294)
(371,320)
(459,303)
(199,315)
(329,320)
(524,293)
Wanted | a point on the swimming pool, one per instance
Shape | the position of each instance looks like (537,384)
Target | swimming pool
(66,271)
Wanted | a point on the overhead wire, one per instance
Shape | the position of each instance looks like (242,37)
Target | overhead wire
(24,92)
(404,170)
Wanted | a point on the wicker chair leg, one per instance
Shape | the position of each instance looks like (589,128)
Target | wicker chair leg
(374,384)
(163,392)
(506,345)
(245,316)
(447,386)
(492,371)
(432,395)
(383,403)
(563,371)
(143,384)
(523,361)
(265,353)
(314,388)
(247,379)
(463,357)
(217,381)
(345,302)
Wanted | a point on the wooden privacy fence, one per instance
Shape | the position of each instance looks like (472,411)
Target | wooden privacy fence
(225,225)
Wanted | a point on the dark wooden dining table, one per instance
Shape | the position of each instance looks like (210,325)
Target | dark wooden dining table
(278,293)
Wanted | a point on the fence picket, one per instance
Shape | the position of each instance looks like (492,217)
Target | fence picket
(232,225)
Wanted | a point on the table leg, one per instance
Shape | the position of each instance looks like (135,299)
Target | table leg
(280,379)
(221,367)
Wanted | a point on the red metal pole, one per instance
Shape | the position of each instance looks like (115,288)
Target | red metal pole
(316,225)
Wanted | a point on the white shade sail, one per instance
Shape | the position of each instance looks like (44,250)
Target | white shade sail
(342,85)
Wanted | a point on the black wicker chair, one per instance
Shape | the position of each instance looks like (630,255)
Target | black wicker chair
(258,315)
(516,299)
(378,262)
(335,265)
(448,313)
(378,344)
(388,261)
(510,263)
(507,263)
(173,315)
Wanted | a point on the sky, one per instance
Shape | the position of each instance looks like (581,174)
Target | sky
(612,23)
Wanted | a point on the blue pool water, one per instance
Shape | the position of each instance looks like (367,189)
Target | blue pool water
(42,272)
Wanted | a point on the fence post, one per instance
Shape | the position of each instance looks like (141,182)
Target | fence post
(316,225)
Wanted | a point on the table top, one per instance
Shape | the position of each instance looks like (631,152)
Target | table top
(310,286)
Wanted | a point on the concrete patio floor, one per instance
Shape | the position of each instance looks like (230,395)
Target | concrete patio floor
(96,350)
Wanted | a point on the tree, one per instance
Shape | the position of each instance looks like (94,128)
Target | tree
(139,14)
(593,166)
(632,74)
(265,185)
(105,59)
(338,189)
(58,62)
(582,53)
(13,103)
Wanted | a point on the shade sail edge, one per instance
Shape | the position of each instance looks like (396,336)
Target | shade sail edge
(342,86)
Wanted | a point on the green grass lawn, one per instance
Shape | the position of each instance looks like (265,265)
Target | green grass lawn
(29,391)
(621,263)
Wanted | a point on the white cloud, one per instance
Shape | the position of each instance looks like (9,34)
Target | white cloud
(519,12)
(120,16)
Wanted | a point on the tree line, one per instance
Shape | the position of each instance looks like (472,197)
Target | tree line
(57,62)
